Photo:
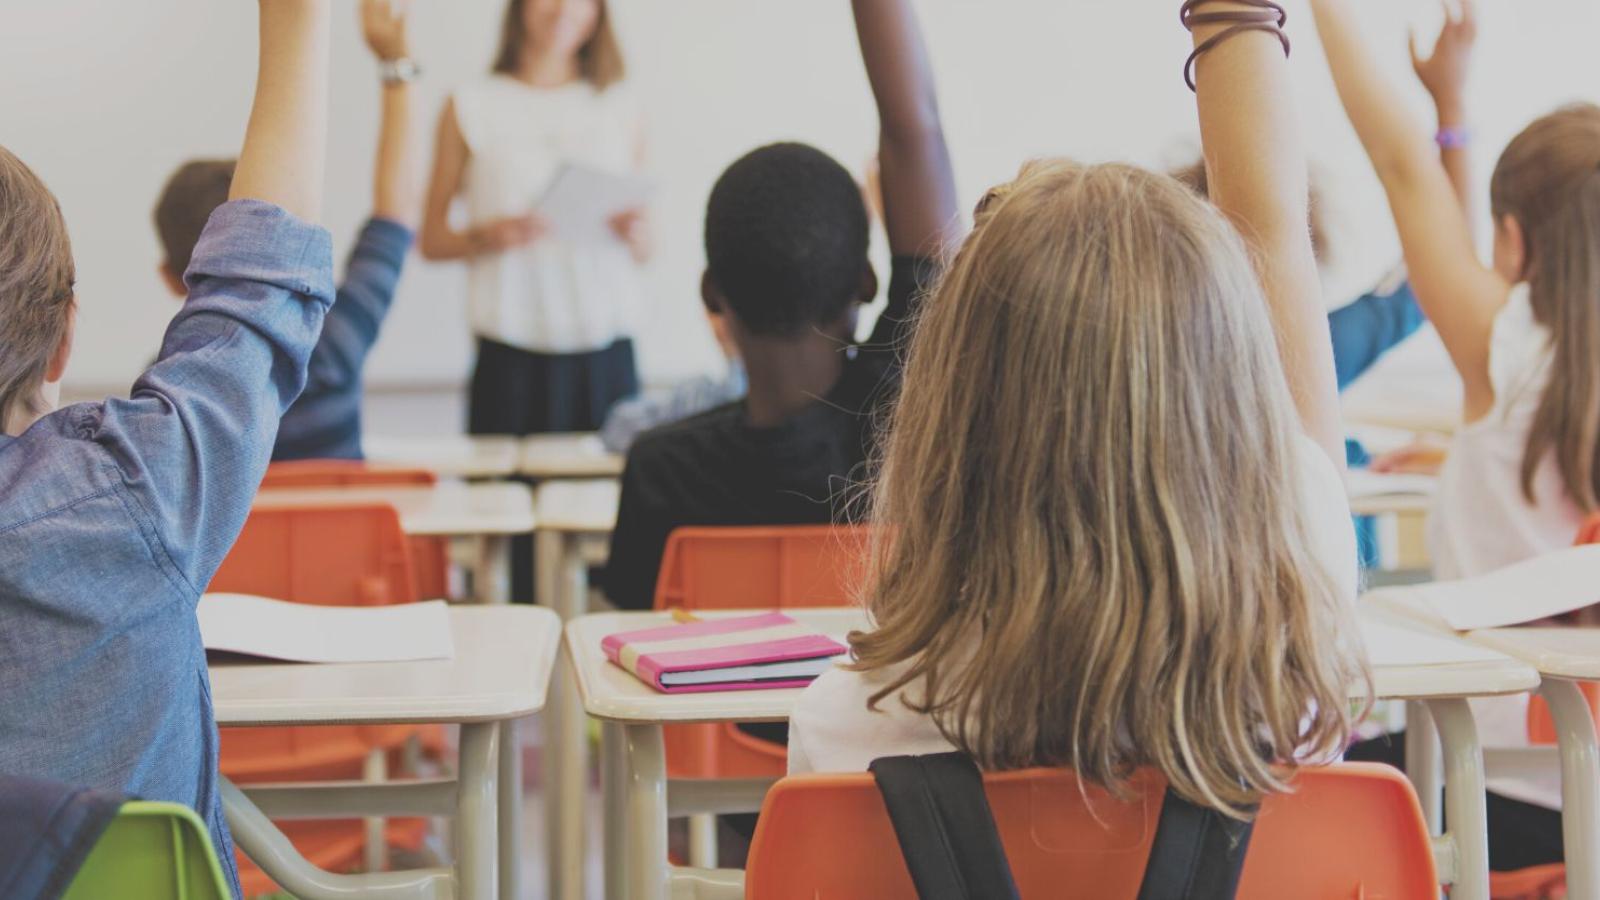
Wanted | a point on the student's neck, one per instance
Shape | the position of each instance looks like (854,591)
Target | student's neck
(542,69)
(787,375)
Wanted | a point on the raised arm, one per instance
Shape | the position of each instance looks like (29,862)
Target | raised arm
(1445,72)
(285,145)
(396,188)
(1256,165)
(919,189)
(1459,294)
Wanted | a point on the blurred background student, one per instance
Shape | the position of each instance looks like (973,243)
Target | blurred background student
(552,316)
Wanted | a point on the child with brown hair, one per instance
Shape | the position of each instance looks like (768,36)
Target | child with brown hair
(115,515)
(1104,400)
(1524,334)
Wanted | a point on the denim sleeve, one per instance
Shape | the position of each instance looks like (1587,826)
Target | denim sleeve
(371,276)
(1368,328)
(191,443)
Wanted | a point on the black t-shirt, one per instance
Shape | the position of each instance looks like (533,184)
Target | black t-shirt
(716,469)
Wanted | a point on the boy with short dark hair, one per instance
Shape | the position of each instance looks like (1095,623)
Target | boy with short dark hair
(325,421)
(786,248)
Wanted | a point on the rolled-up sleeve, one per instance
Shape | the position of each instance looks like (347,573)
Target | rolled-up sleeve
(193,440)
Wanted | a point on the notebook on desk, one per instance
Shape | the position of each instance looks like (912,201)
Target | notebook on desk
(1529,591)
(299,632)
(757,652)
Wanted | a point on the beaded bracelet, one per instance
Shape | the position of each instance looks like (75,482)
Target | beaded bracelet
(1268,16)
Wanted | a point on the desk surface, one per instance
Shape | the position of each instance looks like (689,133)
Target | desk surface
(1570,652)
(456,455)
(501,669)
(443,510)
(545,456)
(578,507)
(611,693)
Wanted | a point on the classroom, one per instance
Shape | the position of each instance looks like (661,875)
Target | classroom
(796,450)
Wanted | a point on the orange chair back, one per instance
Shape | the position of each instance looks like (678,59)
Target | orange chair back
(1349,831)
(779,567)
(786,567)
(319,473)
(353,555)
(1541,727)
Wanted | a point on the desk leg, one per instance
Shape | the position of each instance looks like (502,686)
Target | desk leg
(510,811)
(1466,806)
(1580,785)
(646,815)
(1422,763)
(614,787)
(476,839)
(562,584)
(489,582)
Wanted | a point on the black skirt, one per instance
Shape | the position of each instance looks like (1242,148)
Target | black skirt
(520,392)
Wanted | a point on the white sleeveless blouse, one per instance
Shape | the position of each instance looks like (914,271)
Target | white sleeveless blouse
(554,296)
(1481,521)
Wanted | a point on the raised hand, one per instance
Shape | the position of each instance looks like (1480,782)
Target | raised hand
(1445,71)
(383,25)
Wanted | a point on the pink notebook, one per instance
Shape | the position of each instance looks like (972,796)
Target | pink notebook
(744,653)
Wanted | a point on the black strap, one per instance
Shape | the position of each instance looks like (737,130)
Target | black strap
(1198,854)
(945,827)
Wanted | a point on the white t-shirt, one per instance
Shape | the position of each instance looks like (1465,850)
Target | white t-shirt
(1482,522)
(553,296)
(831,729)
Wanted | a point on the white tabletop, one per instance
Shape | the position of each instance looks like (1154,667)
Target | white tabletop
(545,456)
(1413,387)
(579,507)
(455,455)
(1561,652)
(500,671)
(448,509)
(611,693)
(1376,493)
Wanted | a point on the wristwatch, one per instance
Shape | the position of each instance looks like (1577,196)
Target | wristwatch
(399,71)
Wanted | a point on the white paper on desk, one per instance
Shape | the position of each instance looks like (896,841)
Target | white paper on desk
(580,201)
(1362,484)
(1403,644)
(1539,588)
(300,632)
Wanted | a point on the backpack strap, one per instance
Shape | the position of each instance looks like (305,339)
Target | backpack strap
(944,826)
(1198,853)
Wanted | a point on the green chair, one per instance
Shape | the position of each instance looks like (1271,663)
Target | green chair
(151,851)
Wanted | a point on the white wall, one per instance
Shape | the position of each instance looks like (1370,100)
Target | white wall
(105,97)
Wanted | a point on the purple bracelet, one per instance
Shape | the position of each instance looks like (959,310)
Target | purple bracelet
(1453,137)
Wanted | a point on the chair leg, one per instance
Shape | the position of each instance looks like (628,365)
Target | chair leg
(703,841)
(376,771)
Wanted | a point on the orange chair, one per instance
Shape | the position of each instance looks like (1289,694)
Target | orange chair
(1348,831)
(331,556)
(787,567)
(430,556)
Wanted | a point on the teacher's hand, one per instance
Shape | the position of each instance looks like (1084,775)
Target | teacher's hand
(499,235)
(632,227)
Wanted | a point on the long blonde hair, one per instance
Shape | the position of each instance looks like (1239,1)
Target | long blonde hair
(1548,180)
(1091,553)
(36,285)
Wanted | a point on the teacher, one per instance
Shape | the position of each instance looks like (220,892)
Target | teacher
(553,317)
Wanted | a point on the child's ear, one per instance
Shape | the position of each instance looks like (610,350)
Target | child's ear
(1510,249)
(710,296)
(58,360)
(174,282)
(869,286)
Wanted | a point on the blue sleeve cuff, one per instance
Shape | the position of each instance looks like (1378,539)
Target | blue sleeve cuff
(385,239)
(249,240)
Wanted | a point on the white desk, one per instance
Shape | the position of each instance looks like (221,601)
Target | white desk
(1413,387)
(639,799)
(488,513)
(1564,657)
(547,456)
(575,523)
(504,658)
(451,456)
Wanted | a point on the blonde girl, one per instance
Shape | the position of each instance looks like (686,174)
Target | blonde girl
(1115,532)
